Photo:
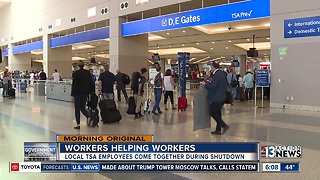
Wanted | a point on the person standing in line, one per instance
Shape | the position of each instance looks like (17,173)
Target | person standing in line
(5,82)
(168,87)
(56,76)
(107,80)
(121,86)
(158,87)
(43,75)
(248,85)
(217,88)
(82,86)
(138,91)
(232,81)
(239,88)
(93,78)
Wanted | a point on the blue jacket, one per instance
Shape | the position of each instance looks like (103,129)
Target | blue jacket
(217,88)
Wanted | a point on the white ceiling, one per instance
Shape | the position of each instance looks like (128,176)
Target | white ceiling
(4,3)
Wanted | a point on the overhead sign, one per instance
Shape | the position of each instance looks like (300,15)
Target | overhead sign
(244,10)
(302,27)
(262,78)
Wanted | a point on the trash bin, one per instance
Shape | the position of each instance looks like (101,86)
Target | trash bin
(39,89)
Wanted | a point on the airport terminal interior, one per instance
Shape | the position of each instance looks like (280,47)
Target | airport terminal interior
(49,35)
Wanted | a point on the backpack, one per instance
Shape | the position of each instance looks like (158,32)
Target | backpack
(135,81)
(234,82)
(126,79)
(158,80)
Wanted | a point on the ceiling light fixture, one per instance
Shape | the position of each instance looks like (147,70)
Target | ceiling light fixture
(244,27)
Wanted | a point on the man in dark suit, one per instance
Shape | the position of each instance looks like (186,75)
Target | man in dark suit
(121,86)
(82,86)
(217,88)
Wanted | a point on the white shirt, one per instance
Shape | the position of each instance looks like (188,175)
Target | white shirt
(56,77)
(167,83)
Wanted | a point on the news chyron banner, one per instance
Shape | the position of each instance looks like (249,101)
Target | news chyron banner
(104,153)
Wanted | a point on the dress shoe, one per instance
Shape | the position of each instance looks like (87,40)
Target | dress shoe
(77,127)
(225,129)
(216,133)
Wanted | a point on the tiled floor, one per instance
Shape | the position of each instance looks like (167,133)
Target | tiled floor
(33,118)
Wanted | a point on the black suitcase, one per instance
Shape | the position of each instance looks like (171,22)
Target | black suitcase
(110,116)
(131,105)
(12,93)
(107,104)
(92,101)
(94,118)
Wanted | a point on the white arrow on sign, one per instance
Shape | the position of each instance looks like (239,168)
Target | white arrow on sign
(290,32)
(290,24)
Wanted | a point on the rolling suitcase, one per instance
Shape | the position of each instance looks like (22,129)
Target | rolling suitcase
(93,110)
(110,116)
(94,118)
(12,93)
(182,103)
(131,105)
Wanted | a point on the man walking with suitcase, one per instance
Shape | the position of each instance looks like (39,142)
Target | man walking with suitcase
(217,88)
(107,80)
(82,86)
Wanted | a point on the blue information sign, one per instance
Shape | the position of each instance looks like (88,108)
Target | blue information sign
(262,78)
(302,27)
(244,10)
(182,73)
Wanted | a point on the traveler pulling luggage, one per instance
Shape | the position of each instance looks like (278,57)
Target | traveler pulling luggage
(93,110)
(109,112)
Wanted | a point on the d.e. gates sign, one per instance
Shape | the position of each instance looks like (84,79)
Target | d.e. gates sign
(244,10)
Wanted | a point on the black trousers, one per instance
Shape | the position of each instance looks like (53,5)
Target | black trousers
(80,106)
(215,113)
(123,90)
(167,95)
(249,92)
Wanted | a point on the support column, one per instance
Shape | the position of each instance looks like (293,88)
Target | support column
(243,64)
(128,54)
(57,58)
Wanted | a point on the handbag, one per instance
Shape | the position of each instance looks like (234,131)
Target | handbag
(229,96)
(234,82)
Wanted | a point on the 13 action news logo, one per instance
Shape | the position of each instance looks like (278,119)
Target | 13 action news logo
(281,151)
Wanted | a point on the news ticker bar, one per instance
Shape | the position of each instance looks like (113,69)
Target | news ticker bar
(195,152)
(104,138)
(38,167)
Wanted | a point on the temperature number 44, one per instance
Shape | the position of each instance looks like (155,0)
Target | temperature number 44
(289,167)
